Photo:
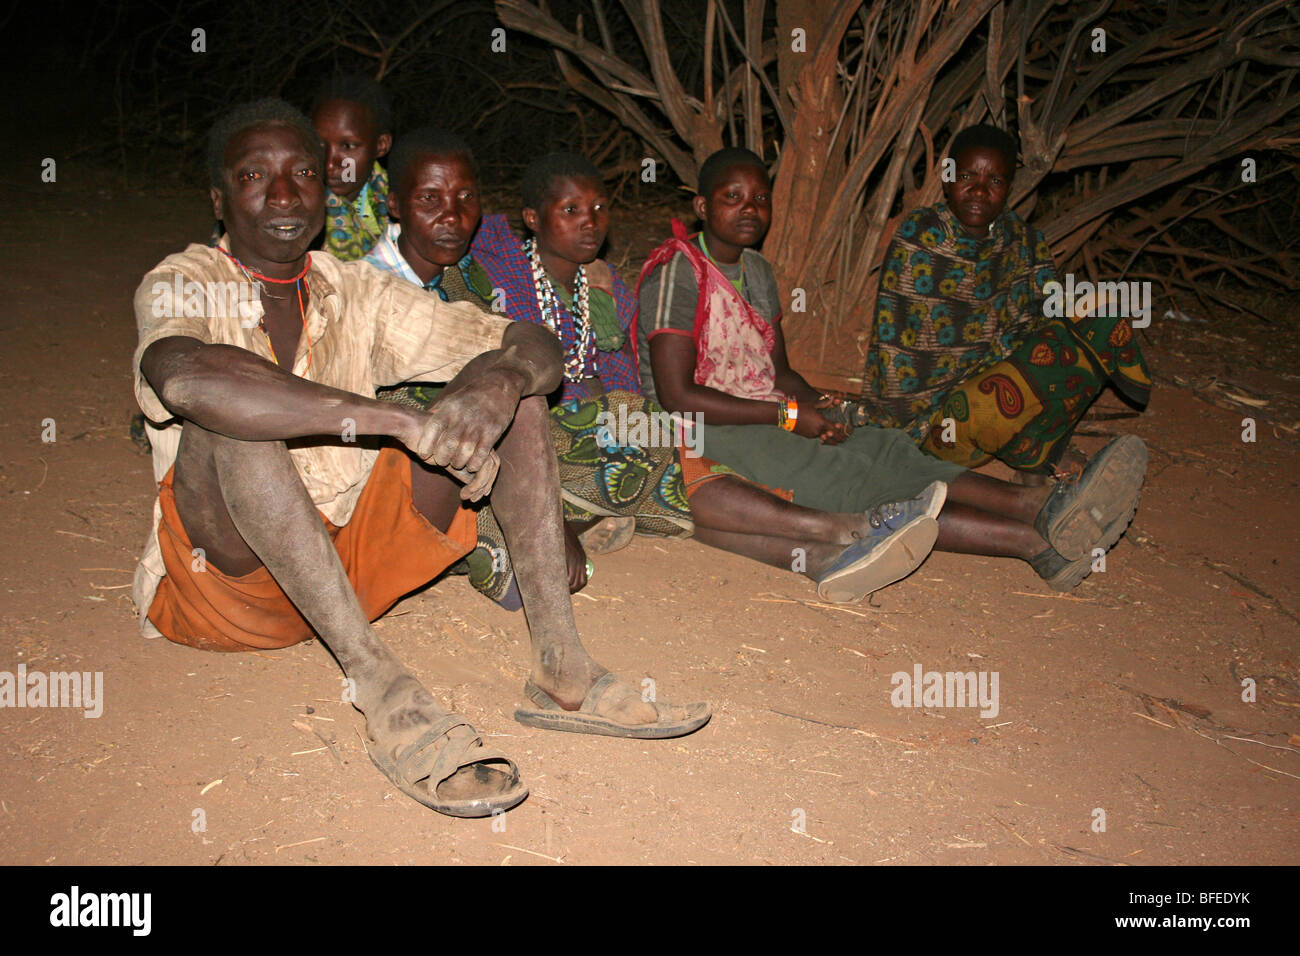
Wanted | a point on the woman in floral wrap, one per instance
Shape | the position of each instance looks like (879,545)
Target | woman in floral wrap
(963,358)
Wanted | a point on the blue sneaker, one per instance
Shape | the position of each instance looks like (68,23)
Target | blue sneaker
(902,535)
(931,500)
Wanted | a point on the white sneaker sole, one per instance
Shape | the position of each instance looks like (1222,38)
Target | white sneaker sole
(900,555)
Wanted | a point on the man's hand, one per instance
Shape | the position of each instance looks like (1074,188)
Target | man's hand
(460,431)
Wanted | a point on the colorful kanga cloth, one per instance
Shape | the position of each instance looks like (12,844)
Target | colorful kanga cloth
(960,333)
(601,478)
(353,228)
(733,342)
(498,250)
(598,477)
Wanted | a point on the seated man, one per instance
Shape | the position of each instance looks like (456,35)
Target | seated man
(275,521)
(557,280)
(962,357)
(712,345)
(354,121)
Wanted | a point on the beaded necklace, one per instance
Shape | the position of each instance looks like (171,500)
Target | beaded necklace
(548,301)
(299,281)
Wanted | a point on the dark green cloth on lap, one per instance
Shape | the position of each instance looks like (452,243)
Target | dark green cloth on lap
(872,467)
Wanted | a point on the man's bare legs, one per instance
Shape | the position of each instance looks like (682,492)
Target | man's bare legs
(269,519)
(527,505)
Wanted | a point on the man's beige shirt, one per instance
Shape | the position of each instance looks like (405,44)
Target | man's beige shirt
(365,328)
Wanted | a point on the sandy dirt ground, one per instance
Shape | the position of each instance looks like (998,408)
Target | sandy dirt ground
(1123,698)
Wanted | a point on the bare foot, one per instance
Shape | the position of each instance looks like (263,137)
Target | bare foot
(608,535)
(568,674)
(397,711)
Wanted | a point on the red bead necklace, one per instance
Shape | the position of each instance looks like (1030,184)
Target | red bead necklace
(299,281)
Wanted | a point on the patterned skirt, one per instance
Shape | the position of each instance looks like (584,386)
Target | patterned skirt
(1022,406)
(1023,409)
(599,477)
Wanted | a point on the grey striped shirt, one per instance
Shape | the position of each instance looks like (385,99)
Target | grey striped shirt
(668,296)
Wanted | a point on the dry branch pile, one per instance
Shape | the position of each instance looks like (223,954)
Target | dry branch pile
(1134,122)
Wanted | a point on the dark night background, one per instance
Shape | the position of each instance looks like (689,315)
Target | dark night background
(118,84)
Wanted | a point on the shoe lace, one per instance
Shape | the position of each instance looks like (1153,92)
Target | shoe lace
(882,514)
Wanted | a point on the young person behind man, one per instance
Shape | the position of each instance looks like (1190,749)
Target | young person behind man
(353,117)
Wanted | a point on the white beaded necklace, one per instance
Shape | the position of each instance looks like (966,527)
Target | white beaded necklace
(548,301)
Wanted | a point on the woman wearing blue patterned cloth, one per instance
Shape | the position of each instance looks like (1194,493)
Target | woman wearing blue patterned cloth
(961,336)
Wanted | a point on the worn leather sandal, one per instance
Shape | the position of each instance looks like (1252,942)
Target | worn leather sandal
(447,769)
(673,721)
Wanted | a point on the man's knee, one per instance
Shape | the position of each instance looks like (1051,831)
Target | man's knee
(252,468)
(217,477)
(199,445)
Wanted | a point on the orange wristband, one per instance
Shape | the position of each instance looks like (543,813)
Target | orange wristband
(789,414)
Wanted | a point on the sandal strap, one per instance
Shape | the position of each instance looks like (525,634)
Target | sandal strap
(413,763)
(596,692)
(453,755)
